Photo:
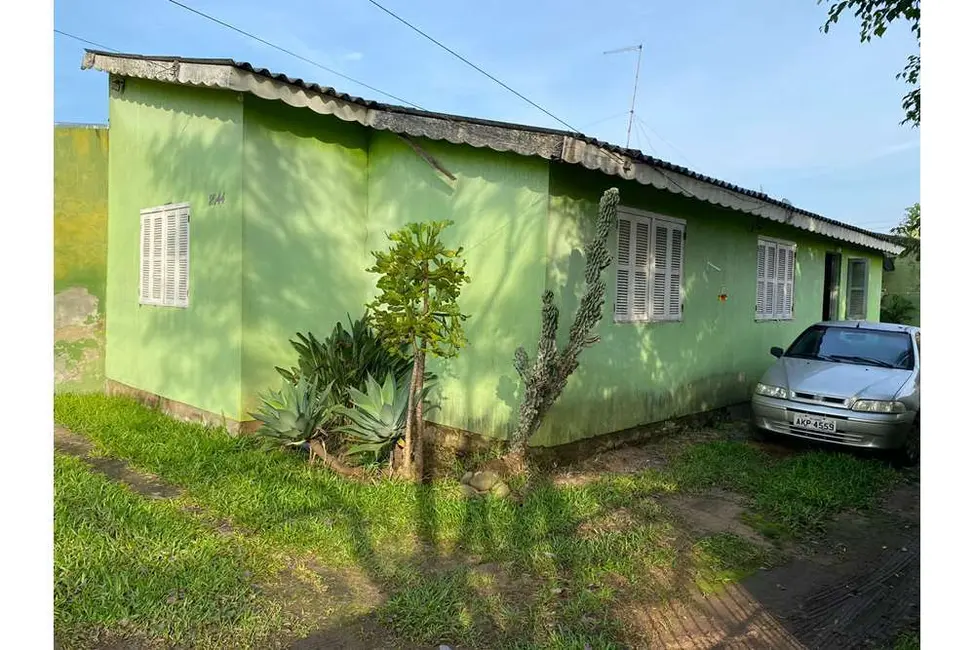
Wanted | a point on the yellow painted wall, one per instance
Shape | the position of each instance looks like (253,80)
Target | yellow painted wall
(80,248)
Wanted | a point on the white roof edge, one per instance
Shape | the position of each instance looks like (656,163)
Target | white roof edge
(549,145)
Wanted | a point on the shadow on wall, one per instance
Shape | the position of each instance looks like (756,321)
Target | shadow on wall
(269,261)
(649,372)
(498,203)
(80,239)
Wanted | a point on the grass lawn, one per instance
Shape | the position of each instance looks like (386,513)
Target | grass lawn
(138,568)
(555,568)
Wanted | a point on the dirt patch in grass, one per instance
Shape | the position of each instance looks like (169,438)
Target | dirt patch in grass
(717,511)
(142,483)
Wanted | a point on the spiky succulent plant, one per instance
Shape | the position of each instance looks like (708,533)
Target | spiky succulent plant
(377,419)
(297,413)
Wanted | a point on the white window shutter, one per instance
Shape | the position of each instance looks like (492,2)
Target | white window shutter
(624,269)
(156,263)
(169,258)
(164,255)
(183,257)
(660,274)
(778,311)
(790,270)
(145,256)
(641,270)
(675,269)
(760,306)
(856,294)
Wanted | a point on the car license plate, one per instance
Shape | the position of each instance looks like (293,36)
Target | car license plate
(815,423)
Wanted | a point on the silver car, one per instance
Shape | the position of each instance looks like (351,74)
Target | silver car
(851,383)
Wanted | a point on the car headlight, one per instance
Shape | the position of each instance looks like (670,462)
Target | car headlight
(771,391)
(878,406)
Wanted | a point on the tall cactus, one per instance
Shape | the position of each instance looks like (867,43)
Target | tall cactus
(544,378)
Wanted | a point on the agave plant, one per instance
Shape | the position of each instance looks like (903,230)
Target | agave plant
(377,419)
(297,413)
(346,358)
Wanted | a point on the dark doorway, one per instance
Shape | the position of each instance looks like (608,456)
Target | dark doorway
(831,287)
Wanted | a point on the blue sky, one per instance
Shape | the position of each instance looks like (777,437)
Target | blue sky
(749,91)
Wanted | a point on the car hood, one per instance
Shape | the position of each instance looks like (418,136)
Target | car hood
(836,379)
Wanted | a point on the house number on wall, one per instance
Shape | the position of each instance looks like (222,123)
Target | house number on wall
(216,198)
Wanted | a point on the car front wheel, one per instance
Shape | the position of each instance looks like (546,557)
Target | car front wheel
(912,446)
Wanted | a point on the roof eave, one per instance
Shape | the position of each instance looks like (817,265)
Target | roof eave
(571,148)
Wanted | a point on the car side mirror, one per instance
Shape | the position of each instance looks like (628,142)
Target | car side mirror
(777,352)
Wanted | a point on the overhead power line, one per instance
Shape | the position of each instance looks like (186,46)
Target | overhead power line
(85,41)
(291,53)
(471,64)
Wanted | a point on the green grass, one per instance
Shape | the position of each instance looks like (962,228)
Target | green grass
(139,568)
(547,571)
(910,640)
(795,496)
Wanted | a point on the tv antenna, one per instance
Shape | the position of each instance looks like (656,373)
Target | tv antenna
(636,81)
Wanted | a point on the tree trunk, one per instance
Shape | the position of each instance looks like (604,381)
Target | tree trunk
(419,362)
(406,469)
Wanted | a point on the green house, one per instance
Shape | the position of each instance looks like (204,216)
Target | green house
(243,206)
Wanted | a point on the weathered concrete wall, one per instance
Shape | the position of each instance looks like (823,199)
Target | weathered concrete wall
(80,239)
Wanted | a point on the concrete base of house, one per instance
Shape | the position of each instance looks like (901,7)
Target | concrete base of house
(181,411)
(440,438)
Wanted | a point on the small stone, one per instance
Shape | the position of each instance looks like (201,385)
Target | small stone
(903,549)
(466,478)
(444,647)
(484,481)
(501,490)
(468,491)
(557,590)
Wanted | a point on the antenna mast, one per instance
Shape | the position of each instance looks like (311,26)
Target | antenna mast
(636,82)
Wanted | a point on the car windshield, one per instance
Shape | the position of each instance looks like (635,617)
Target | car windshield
(858,346)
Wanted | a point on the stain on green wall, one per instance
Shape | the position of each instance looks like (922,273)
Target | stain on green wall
(80,240)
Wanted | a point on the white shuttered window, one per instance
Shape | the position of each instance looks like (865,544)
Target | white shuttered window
(164,264)
(649,268)
(775,280)
(856,291)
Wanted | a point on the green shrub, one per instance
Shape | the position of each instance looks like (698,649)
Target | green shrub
(896,309)
(346,358)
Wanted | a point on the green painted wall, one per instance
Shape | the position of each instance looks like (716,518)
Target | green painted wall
(304,233)
(640,373)
(174,144)
(80,240)
(308,197)
(499,206)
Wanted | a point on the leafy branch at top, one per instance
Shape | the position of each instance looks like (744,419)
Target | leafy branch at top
(875,17)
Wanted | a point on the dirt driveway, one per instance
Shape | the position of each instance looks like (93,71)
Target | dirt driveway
(856,586)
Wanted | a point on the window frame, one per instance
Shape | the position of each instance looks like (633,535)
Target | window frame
(788,286)
(652,220)
(173,265)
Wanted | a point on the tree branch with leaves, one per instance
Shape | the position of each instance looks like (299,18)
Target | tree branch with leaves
(419,284)
(875,17)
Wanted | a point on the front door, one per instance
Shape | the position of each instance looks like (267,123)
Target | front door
(831,287)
